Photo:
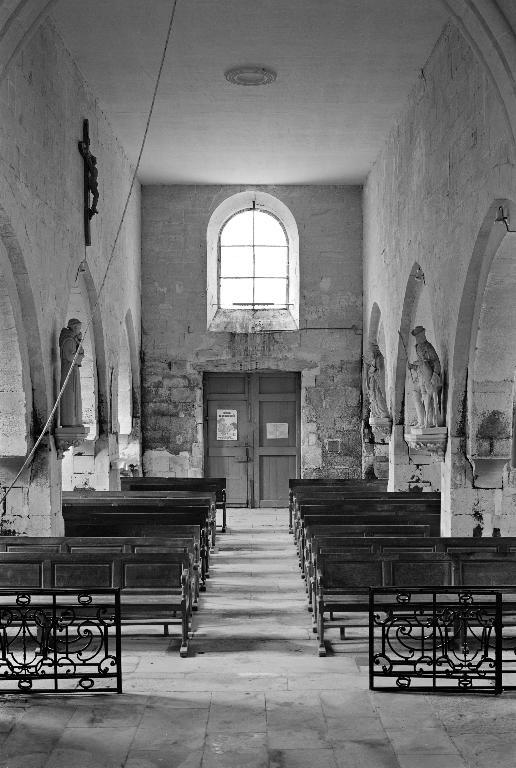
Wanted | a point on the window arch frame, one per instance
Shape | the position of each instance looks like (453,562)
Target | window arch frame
(251,319)
(254,305)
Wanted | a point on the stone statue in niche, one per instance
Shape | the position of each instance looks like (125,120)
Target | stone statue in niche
(426,377)
(71,403)
(375,379)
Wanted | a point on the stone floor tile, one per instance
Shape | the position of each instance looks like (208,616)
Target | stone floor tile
(177,756)
(25,760)
(432,741)
(431,761)
(25,739)
(297,738)
(302,758)
(484,750)
(161,725)
(247,750)
(355,728)
(89,747)
(364,755)
(124,711)
(343,703)
(239,712)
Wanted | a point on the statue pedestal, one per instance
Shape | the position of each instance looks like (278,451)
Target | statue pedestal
(381,429)
(429,442)
(68,437)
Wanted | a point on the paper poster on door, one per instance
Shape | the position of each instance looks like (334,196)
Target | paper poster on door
(276,431)
(227,424)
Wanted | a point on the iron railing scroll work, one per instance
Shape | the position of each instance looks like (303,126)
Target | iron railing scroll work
(60,641)
(441,639)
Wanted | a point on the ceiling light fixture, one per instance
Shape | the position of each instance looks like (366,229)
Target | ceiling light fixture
(250,75)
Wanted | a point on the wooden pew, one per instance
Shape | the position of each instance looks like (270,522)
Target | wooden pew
(186,540)
(342,578)
(352,503)
(137,517)
(179,500)
(397,515)
(154,587)
(342,582)
(337,536)
(297,487)
(323,542)
(200,484)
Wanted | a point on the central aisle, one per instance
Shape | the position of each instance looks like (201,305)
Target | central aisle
(253,693)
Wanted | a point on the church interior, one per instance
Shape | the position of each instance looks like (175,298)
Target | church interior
(259,242)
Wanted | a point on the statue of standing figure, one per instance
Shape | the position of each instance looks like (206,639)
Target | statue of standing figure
(375,379)
(71,403)
(428,386)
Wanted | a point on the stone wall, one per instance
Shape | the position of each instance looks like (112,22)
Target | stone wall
(430,201)
(177,347)
(43,101)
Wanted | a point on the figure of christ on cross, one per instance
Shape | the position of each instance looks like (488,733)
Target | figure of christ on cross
(90,162)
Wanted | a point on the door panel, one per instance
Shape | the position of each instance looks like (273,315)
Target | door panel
(227,410)
(252,435)
(275,472)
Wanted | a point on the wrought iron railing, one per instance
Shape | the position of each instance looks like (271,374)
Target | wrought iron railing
(53,640)
(443,639)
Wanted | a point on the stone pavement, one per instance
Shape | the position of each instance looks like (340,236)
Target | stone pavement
(253,692)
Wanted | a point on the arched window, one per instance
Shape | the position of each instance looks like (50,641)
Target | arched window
(253,261)
(253,272)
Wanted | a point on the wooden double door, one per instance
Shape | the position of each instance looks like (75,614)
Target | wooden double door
(252,428)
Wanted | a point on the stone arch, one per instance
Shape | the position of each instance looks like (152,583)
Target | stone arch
(129,438)
(484,359)
(489,238)
(15,380)
(87,465)
(125,385)
(376,335)
(18,22)
(246,320)
(492,38)
(411,302)
(15,274)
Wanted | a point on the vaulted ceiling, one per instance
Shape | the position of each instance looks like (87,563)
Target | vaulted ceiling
(345,69)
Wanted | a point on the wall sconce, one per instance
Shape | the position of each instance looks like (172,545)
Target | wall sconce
(502,218)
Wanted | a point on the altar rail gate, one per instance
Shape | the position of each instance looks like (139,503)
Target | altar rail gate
(60,641)
(443,639)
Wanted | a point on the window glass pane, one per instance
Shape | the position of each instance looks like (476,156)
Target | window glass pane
(270,262)
(233,291)
(272,290)
(238,230)
(236,261)
(268,230)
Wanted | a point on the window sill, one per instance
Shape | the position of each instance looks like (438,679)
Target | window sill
(252,320)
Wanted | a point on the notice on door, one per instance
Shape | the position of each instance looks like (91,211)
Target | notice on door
(227,424)
(277,430)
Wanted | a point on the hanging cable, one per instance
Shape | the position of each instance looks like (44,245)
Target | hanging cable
(29,457)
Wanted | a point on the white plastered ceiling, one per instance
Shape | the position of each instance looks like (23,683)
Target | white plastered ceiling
(345,69)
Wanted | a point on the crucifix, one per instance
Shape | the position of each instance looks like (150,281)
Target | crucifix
(90,181)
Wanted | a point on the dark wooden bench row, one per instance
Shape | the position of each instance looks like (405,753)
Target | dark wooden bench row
(154,586)
(183,539)
(337,539)
(298,486)
(397,513)
(358,504)
(342,579)
(149,514)
(216,485)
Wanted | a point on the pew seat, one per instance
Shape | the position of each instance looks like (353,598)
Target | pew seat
(154,586)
